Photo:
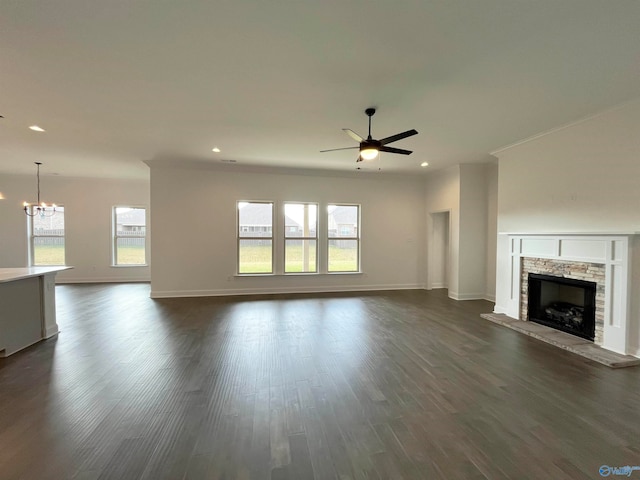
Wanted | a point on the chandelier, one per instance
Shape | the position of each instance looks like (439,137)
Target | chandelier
(40,208)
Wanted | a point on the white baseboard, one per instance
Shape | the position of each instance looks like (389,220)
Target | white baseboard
(141,279)
(438,285)
(278,290)
(466,296)
(490,298)
(498,309)
(50,331)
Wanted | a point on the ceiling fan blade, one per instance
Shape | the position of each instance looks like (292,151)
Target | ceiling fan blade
(395,150)
(399,136)
(336,149)
(353,135)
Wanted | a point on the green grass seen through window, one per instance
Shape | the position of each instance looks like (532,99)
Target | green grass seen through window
(253,259)
(48,255)
(54,255)
(131,255)
(257,259)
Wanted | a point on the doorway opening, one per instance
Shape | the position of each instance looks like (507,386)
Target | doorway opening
(438,267)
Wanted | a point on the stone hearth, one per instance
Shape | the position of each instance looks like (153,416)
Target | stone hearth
(567,342)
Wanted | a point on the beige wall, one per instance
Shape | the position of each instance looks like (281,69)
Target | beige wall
(192,227)
(442,194)
(467,192)
(200,258)
(88,204)
(473,230)
(492,230)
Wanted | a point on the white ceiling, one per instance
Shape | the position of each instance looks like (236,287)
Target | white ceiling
(271,83)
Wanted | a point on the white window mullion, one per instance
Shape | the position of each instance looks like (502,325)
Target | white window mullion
(278,240)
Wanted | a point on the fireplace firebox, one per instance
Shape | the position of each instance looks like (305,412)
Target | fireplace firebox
(565,304)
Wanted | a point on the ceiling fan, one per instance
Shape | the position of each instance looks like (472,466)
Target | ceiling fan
(370,147)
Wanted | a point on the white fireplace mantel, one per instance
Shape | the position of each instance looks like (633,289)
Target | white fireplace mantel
(613,250)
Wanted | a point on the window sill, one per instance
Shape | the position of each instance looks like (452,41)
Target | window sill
(296,274)
(130,266)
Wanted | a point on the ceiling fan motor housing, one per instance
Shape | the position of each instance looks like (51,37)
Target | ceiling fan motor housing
(370,143)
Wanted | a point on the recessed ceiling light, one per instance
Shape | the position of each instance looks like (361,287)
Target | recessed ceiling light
(215,149)
(424,164)
(36,128)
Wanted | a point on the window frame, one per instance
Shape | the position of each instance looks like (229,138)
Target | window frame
(285,237)
(239,237)
(115,236)
(32,236)
(356,238)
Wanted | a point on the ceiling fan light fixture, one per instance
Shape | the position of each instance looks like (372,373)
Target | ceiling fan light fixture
(369,153)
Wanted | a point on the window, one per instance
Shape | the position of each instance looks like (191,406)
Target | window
(255,237)
(343,225)
(129,235)
(293,248)
(47,238)
(300,237)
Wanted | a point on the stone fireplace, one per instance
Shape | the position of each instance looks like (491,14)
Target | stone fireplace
(563,304)
(601,262)
(570,274)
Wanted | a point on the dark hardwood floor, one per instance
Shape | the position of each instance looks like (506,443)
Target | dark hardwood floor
(391,385)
